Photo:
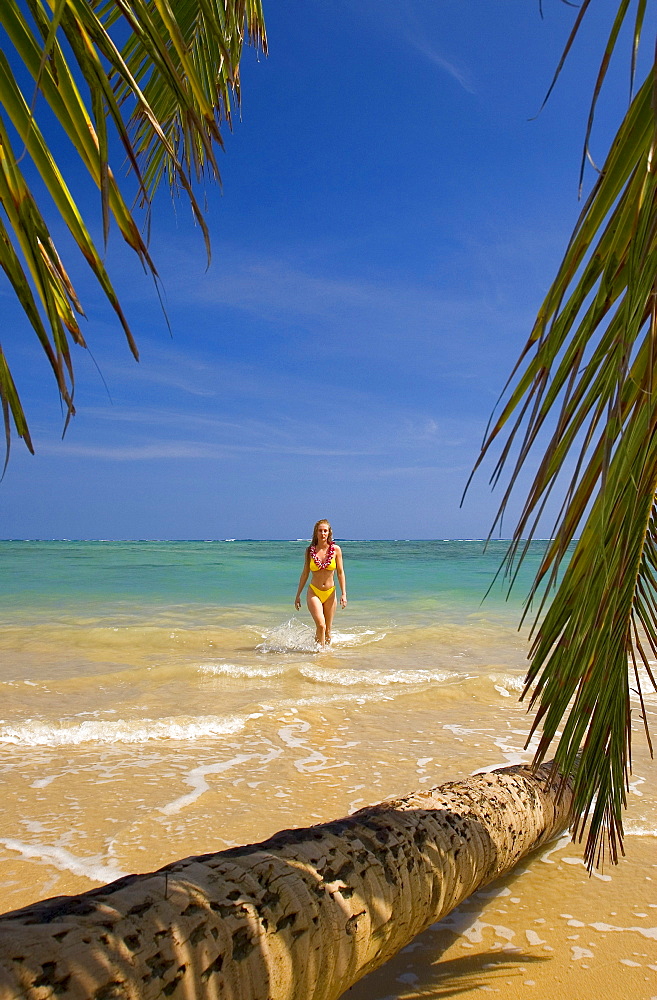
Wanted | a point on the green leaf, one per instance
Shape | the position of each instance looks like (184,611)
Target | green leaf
(587,378)
(163,91)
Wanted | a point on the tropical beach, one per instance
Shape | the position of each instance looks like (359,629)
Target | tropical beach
(401,217)
(159,700)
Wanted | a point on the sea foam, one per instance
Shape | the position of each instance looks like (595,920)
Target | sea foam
(121,731)
(92,868)
(245,670)
(374,678)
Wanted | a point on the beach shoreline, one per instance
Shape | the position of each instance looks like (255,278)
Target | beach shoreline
(138,731)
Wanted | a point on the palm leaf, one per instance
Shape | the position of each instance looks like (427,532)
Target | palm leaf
(11,408)
(587,379)
(164,92)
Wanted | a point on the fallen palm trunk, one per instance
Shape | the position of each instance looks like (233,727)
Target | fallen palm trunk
(303,915)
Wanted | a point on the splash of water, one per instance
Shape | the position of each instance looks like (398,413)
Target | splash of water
(294,636)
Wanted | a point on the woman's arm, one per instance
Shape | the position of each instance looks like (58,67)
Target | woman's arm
(341,577)
(305,573)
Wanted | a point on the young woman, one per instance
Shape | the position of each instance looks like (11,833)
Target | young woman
(323,557)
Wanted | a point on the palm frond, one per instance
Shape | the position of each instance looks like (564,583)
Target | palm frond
(587,379)
(164,92)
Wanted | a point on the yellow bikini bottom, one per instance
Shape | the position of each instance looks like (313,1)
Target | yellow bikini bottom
(322,594)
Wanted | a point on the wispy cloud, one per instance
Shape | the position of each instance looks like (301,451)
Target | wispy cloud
(427,50)
(360,432)
(419,471)
(421,19)
(186,450)
(168,450)
(361,316)
(171,371)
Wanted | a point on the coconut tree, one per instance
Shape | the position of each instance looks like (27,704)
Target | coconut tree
(158,79)
(587,378)
(304,914)
(153,81)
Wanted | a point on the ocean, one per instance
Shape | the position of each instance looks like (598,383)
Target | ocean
(163,699)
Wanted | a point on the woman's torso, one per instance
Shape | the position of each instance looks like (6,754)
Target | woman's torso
(322,563)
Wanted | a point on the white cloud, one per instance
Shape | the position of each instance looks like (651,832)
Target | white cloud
(427,50)
(186,450)
(133,453)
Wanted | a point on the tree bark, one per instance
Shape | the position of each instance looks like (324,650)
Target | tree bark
(302,915)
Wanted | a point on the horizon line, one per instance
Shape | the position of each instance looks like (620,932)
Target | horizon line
(287,540)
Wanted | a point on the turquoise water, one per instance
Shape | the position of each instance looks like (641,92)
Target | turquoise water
(44,578)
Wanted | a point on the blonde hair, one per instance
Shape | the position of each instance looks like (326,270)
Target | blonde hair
(315,540)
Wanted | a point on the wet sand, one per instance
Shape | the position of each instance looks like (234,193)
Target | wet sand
(84,805)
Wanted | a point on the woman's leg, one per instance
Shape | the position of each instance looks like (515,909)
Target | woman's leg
(316,609)
(330,605)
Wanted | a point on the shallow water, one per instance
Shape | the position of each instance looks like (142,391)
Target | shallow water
(163,699)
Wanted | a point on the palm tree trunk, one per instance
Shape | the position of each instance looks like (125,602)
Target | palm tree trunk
(304,914)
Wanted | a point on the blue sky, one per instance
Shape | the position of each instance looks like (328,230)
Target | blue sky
(391,216)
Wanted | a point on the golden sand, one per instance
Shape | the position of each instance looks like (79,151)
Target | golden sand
(176,742)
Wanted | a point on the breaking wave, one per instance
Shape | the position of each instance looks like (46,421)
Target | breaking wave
(121,731)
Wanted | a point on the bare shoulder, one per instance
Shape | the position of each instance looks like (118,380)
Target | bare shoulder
(337,549)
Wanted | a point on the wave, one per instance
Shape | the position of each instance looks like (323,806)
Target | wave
(122,731)
(376,678)
(508,685)
(640,831)
(322,700)
(339,676)
(244,670)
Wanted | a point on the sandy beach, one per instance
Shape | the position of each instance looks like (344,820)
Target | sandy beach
(138,736)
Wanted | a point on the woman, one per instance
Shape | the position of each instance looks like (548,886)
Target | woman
(322,558)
